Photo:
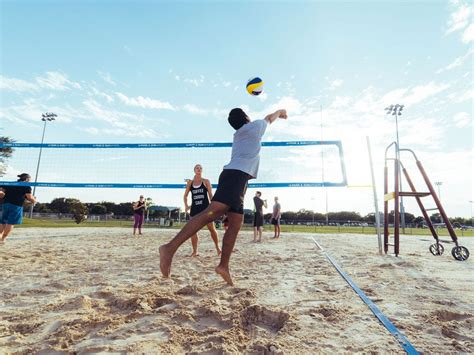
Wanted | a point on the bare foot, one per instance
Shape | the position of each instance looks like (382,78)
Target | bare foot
(165,261)
(224,272)
(193,255)
(219,252)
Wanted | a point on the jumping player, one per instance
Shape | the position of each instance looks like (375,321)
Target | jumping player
(230,191)
(201,194)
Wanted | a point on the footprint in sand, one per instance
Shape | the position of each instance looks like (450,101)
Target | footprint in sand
(263,317)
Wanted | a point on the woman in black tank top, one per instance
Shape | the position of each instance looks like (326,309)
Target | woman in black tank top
(201,194)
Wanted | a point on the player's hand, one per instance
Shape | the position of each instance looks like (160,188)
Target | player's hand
(282,114)
(186,208)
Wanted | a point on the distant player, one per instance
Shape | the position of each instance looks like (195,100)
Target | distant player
(276,216)
(138,215)
(201,194)
(229,197)
(13,199)
(258,216)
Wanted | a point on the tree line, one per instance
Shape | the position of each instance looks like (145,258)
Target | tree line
(65,205)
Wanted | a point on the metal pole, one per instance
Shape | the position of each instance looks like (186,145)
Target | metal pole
(37,166)
(374,192)
(402,208)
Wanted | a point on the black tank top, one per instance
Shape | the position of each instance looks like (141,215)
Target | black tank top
(200,199)
(141,208)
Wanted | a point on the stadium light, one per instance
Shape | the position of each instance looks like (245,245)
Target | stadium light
(396,110)
(45,117)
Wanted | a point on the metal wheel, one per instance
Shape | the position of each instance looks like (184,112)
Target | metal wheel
(437,249)
(460,253)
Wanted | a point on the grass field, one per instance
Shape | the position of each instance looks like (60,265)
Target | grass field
(46,223)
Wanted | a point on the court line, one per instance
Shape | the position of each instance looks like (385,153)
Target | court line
(402,340)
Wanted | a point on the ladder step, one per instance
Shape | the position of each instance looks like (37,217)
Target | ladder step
(415,194)
(432,209)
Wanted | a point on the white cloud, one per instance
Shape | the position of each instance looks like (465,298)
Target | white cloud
(144,102)
(96,92)
(18,85)
(194,109)
(335,84)
(468,34)
(465,96)
(424,91)
(460,17)
(462,119)
(56,81)
(456,62)
(51,81)
(106,77)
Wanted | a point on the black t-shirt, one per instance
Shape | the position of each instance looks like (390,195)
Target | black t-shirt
(15,194)
(258,204)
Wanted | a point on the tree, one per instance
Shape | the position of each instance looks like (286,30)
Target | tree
(79,211)
(98,209)
(5,153)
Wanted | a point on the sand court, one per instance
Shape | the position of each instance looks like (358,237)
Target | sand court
(98,289)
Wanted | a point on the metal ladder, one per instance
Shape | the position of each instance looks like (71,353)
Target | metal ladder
(458,252)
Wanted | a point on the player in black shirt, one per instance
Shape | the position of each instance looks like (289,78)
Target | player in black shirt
(13,199)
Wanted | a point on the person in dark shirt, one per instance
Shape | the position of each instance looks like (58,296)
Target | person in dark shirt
(13,199)
(138,215)
(258,216)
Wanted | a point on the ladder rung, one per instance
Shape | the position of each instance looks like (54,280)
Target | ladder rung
(392,245)
(432,209)
(415,194)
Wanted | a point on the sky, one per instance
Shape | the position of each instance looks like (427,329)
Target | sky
(169,71)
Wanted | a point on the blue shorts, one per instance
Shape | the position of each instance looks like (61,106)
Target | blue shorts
(12,214)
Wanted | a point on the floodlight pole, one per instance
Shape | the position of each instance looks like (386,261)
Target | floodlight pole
(396,110)
(45,117)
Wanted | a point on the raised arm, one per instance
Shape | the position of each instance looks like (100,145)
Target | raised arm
(277,114)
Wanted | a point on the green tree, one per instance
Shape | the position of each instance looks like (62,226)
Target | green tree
(78,210)
(5,153)
(98,209)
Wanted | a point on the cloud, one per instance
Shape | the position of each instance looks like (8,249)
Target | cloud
(459,61)
(468,34)
(118,123)
(106,77)
(460,17)
(18,85)
(56,81)
(194,109)
(51,81)
(335,84)
(145,102)
(462,119)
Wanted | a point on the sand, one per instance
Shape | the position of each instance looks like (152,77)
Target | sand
(100,290)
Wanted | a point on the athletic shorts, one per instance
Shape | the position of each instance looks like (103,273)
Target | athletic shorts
(197,209)
(12,214)
(276,221)
(231,189)
(257,219)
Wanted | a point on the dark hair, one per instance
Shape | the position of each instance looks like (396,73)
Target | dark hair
(23,177)
(237,118)
(259,193)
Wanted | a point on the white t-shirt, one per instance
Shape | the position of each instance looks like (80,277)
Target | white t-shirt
(246,147)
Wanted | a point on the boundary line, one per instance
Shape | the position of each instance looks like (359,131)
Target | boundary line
(402,340)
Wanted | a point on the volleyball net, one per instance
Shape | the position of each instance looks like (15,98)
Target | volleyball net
(168,165)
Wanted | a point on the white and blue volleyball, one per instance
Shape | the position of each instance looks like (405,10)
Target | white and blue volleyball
(255,86)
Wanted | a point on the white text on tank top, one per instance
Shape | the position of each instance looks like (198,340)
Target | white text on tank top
(199,194)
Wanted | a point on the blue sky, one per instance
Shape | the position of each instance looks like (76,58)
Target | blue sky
(150,71)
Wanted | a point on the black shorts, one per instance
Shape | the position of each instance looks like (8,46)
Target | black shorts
(276,221)
(257,219)
(197,209)
(231,189)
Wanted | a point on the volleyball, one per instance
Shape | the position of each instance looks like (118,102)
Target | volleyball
(255,86)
